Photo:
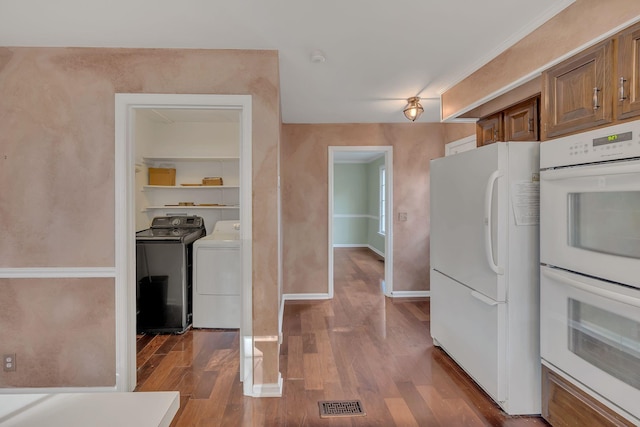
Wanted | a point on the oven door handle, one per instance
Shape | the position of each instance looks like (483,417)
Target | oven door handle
(605,293)
(614,168)
(488,228)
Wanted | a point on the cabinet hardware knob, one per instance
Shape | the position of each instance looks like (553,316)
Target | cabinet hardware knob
(595,99)
(622,96)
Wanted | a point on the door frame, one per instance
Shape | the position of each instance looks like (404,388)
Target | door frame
(125,275)
(388,241)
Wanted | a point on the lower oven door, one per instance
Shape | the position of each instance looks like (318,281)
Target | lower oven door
(590,330)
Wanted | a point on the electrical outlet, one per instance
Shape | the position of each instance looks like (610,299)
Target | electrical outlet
(9,362)
(402,216)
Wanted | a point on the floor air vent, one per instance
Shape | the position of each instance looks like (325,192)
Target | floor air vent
(341,408)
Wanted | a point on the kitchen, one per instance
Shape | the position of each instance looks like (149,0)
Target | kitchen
(297,143)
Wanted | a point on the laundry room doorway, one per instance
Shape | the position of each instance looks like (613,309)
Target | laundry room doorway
(361,205)
(136,203)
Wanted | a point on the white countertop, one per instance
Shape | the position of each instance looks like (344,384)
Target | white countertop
(148,409)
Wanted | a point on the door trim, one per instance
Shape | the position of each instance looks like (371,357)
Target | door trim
(388,241)
(125,106)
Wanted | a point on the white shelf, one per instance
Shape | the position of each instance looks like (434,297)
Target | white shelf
(188,207)
(191,169)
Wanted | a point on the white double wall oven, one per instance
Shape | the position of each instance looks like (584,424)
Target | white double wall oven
(590,263)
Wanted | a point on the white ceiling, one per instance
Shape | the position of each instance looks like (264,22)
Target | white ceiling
(378,52)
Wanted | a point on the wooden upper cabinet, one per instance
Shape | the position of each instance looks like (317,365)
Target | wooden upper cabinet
(521,121)
(577,93)
(489,130)
(628,79)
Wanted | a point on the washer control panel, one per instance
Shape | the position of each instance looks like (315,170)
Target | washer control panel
(177,222)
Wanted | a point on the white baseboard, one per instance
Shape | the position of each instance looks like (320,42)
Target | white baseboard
(269,389)
(379,253)
(411,294)
(303,297)
(357,245)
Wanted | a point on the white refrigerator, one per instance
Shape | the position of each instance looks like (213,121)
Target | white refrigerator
(485,270)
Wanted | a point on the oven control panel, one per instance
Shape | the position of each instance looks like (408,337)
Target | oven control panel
(612,143)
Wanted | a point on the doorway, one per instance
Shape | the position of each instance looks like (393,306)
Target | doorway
(127,106)
(380,216)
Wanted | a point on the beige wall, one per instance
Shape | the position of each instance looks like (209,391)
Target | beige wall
(304,181)
(61,331)
(575,26)
(57,195)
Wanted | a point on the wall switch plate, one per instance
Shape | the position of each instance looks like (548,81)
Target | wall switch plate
(402,216)
(9,362)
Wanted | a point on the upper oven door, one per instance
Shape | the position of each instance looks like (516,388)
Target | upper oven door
(590,220)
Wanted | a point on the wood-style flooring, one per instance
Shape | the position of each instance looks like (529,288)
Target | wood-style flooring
(358,346)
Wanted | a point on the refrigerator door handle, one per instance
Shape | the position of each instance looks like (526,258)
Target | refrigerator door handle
(488,231)
(477,295)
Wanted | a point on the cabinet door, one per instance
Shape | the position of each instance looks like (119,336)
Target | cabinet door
(489,130)
(521,121)
(578,92)
(628,93)
(564,404)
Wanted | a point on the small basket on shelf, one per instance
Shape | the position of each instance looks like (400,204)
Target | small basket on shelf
(212,180)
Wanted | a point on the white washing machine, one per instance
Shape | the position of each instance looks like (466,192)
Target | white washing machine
(217,278)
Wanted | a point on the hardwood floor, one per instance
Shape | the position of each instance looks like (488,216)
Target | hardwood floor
(358,346)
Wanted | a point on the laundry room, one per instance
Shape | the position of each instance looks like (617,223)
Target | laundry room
(187,217)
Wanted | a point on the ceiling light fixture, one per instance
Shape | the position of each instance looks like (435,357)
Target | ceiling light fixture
(413,109)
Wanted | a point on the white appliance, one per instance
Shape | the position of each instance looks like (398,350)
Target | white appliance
(590,256)
(217,278)
(484,268)
(460,145)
